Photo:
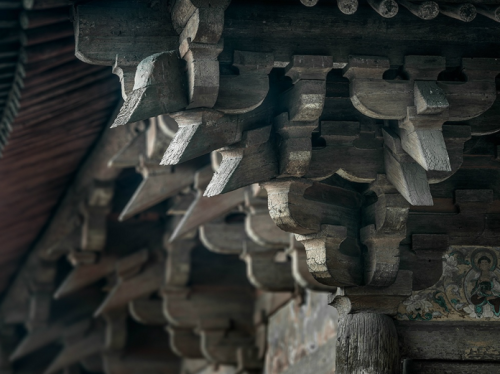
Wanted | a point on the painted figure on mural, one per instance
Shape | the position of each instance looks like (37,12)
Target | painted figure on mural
(485,282)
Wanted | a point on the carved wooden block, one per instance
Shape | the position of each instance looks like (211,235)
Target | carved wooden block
(159,88)
(300,269)
(386,219)
(373,299)
(423,104)
(205,209)
(139,274)
(321,225)
(250,161)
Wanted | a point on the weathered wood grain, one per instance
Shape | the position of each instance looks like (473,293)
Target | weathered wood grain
(159,88)
(427,10)
(109,31)
(367,343)
(473,341)
(463,12)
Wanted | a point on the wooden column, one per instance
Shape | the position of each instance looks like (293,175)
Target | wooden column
(367,344)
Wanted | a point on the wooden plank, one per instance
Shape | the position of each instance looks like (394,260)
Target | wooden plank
(448,340)
(449,367)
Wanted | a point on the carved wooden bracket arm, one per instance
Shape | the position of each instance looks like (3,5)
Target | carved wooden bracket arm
(422,104)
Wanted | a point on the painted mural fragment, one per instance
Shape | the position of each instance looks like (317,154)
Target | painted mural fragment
(298,331)
(469,289)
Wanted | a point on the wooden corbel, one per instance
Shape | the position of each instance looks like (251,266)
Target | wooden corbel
(221,346)
(184,342)
(112,33)
(85,273)
(41,286)
(133,348)
(44,336)
(268,273)
(422,104)
(303,105)
(352,150)
(204,130)
(370,299)
(159,88)
(220,236)
(80,343)
(205,209)
(70,242)
(185,308)
(324,219)
(131,153)
(409,178)
(264,270)
(427,259)
(385,227)
(200,24)
(147,311)
(259,225)
(139,275)
(300,269)
(178,263)
(95,210)
(252,160)
(159,183)
(244,92)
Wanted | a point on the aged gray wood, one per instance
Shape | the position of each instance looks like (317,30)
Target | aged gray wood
(386,8)
(159,88)
(490,11)
(474,341)
(114,31)
(449,367)
(406,175)
(427,10)
(371,299)
(265,273)
(205,209)
(327,228)
(348,6)
(85,274)
(386,228)
(250,161)
(367,344)
(463,12)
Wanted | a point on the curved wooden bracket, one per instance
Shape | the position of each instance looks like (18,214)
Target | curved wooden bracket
(250,161)
(220,346)
(387,217)
(422,104)
(244,92)
(265,273)
(371,299)
(326,261)
(139,274)
(184,342)
(147,312)
(159,88)
(300,270)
